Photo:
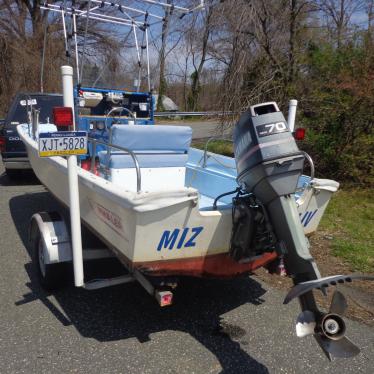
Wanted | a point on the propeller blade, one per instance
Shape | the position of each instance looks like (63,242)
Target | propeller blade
(321,344)
(305,324)
(338,303)
(342,348)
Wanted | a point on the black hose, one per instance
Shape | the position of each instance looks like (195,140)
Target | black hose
(237,190)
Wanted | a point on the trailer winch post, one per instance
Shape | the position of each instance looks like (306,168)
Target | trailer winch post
(76,235)
(292,114)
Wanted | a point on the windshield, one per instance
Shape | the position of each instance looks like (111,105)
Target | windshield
(43,103)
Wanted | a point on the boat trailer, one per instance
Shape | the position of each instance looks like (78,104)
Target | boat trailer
(50,241)
(55,246)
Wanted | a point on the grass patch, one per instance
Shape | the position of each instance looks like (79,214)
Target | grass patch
(221,147)
(349,218)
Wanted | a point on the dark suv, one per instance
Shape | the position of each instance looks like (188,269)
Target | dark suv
(13,151)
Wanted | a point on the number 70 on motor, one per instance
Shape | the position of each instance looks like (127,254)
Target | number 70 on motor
(62,143)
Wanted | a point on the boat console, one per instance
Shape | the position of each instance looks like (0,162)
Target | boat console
(97,103)
(161,151)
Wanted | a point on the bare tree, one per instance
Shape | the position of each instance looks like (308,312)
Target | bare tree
(200,37)
(297,10)
(369,7)
(162,55)
(27,33)
(339,12)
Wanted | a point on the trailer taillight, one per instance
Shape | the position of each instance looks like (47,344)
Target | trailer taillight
(164,298)
(299,133)
(63,116)
(2,143)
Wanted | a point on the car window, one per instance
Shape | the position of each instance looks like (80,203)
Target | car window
(44,103)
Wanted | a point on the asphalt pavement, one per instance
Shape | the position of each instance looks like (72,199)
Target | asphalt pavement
(214,326)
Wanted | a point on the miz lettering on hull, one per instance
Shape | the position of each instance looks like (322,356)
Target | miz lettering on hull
(181,238)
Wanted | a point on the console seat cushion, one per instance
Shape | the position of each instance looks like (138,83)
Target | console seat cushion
(152,137)
(146,159)
(154,146)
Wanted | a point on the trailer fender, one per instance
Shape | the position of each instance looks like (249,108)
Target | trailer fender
(55,235)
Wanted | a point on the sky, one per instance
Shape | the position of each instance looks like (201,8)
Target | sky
(177,57)
(156,12)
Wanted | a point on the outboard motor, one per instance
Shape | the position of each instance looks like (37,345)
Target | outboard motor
(269,165)
(265,218)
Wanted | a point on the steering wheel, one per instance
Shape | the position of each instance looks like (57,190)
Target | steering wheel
(120,110)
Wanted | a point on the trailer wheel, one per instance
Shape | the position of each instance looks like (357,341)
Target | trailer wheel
(51,276)
(13,173)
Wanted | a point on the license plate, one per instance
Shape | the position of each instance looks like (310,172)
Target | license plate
(62,143)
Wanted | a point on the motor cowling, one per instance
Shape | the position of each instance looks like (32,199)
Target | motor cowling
(268,161)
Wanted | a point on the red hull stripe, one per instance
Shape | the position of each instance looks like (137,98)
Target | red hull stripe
(221,265)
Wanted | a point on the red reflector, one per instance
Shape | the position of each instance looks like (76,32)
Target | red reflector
(63,116)
(164,298)
(2,144)
(299,134)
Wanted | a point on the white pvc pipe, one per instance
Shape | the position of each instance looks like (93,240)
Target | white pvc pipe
(76,46)
(65,33)
(68,88)
(166,5)
(140,11)
(148,66)
(292,114)
(75,221)
(76,235)
(99,16)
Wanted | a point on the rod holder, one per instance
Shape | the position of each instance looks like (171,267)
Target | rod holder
(75,216)
(292,114)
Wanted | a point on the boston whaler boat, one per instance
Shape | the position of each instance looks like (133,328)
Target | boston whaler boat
(166,209)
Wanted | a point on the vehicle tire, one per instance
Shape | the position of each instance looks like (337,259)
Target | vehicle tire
(13,173)
(51,276)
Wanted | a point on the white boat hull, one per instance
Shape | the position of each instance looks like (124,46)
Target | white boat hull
(158,232)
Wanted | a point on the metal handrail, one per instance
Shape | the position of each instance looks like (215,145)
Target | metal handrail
(131,153)
(311,164)
(28,113)
(301,200)
(221,137)
(34,121)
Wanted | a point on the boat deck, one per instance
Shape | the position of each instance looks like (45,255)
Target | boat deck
(216,177)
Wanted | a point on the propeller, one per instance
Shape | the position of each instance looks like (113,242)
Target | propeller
(328,328)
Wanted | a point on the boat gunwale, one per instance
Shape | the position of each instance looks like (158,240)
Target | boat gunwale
(141,201)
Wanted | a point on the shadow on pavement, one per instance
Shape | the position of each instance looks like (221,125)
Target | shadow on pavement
(25,178)
(127,311)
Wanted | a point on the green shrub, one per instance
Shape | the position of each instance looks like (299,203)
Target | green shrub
(337,107)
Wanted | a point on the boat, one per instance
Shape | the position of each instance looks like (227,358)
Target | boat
(166,209)
(170,226)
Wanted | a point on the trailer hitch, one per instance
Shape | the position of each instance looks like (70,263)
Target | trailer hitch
(327,328)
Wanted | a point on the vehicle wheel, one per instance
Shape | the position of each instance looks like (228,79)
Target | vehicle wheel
(13,173)
(51,276)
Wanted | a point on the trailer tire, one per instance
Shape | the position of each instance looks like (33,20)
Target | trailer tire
(13,174)
(51,276)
